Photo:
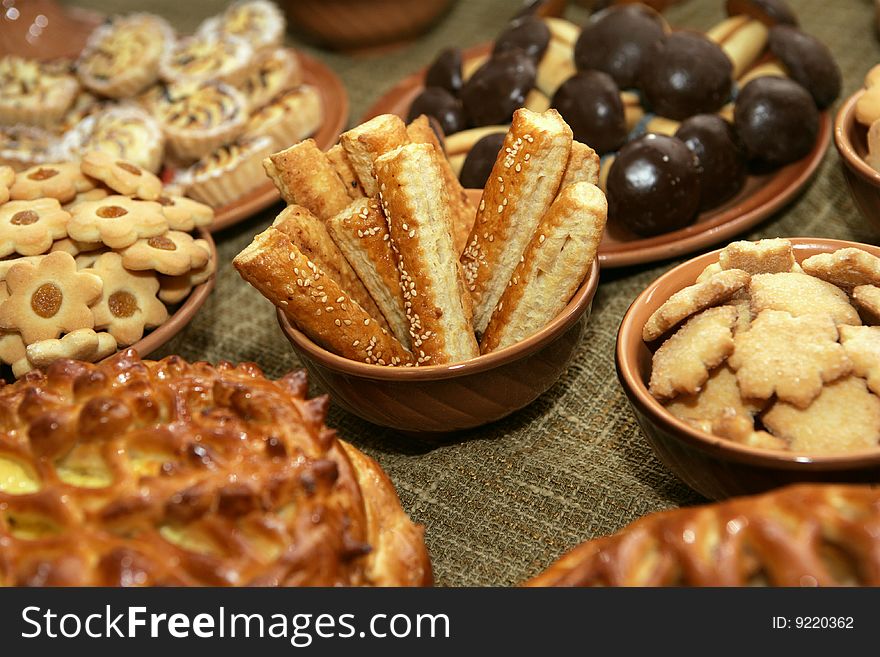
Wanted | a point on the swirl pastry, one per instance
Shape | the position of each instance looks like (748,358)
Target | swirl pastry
(23,146)
(199,118)
(208,57)
(170,473)
(289,118)
(229,172)
(122,57)
(278,71)
(257,21)
(34,93)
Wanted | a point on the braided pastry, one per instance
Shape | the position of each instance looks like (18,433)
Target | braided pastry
(804,535)
(169,473)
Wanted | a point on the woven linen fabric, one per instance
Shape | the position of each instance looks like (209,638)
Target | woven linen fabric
(502,502)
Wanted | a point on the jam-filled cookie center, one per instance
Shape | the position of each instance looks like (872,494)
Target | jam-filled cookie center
(43,174)
(163,243)
(111,212)
(46,300)
(24,218)
(122,304)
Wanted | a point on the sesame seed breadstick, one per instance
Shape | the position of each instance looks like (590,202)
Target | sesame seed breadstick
(310,235)
(303,175)
(416,204)
(361,233)
(463,211)
(339,162)
(368,141)
(583,166)
(315,302)
(555,262)
(520,189)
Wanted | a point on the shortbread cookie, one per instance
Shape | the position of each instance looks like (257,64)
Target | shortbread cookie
(174,289)
(184,213)
(709,272)
(788,356)
(49,298)
(62,181)
(867,299)
(7,177)
(95,194)
(87,260)
(682,364)
(768,256)
(9,263)
(128,304)
(862,345)
(121,176)
(117,221)
(173,253)
(800,294)
(844,417)
(719,396)
(846,268)
(741,429)
(82,344)
(75,247)
(691,300)
(12,347)
(29,227)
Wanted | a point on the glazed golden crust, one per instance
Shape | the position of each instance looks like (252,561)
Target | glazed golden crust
(803,535)
(583,166)
(339,161)
(315,302)
(170,473)
(365,143)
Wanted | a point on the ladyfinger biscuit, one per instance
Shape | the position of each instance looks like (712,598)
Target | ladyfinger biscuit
(316,303)
(310,236)
(519,191)
(556,260)
(303,175)
(368,141)
(416,205)
(361,233)
(463,211)
(583,166)
(742,39)
(339,162)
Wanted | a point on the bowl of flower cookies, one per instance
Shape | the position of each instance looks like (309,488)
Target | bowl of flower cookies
(201,111)
(96,256)
(759,364)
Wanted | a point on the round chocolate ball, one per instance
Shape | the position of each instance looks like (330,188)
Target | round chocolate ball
(498,87)
(590,103)
(721,155)
(769,12)
(776,119)
(684,74)
(615,40)
(654,185)
(808,61)
(529,34)
(445,71)
(441,105)
(480,160)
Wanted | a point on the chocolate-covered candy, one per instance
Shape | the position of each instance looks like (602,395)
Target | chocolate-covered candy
(445,72)
(529,34)
(443,106)
(480,160)
(769,12)
(615,40)
(776,119)
(685,73)
(498,88)
(721,155)
(590,103)
(654,185)
(808,61)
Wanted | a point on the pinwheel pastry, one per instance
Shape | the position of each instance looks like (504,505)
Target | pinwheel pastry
(140,473)
(259,22)
(34,93)
(805,535)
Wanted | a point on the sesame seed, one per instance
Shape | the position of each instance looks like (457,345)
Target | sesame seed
(338,323)
(340,300)
(412,233)
(366,322)
(541,239)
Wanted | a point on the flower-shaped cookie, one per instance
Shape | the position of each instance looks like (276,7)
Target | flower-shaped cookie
(184,213)
(74,247)
(29,227)
(174,289)
(62,180)
(117,221)
(95,194)
(121,176)
(173,253)
(48,298)
(83,344)
(128,304)
(7,177)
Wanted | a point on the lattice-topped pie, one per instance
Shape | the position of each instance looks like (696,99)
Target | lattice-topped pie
(140,473)
(258,21)
(208,57)
(34,93)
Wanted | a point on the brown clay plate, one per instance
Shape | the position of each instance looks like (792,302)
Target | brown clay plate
(762,195)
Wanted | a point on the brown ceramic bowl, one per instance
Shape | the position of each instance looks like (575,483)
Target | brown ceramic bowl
(713,466)
(445,398)
(851,139)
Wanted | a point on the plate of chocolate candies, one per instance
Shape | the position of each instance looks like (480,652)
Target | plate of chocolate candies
(701,135)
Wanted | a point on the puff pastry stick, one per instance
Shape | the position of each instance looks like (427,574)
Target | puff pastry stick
(315,302)
(523,183)
(368,141)
(554,264)
(463,211)
(361,233)
(312,238)
(339,162)
(303,175)
(583,166)
(416,205)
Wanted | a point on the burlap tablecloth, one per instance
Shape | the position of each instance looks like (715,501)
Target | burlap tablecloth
(501,502)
